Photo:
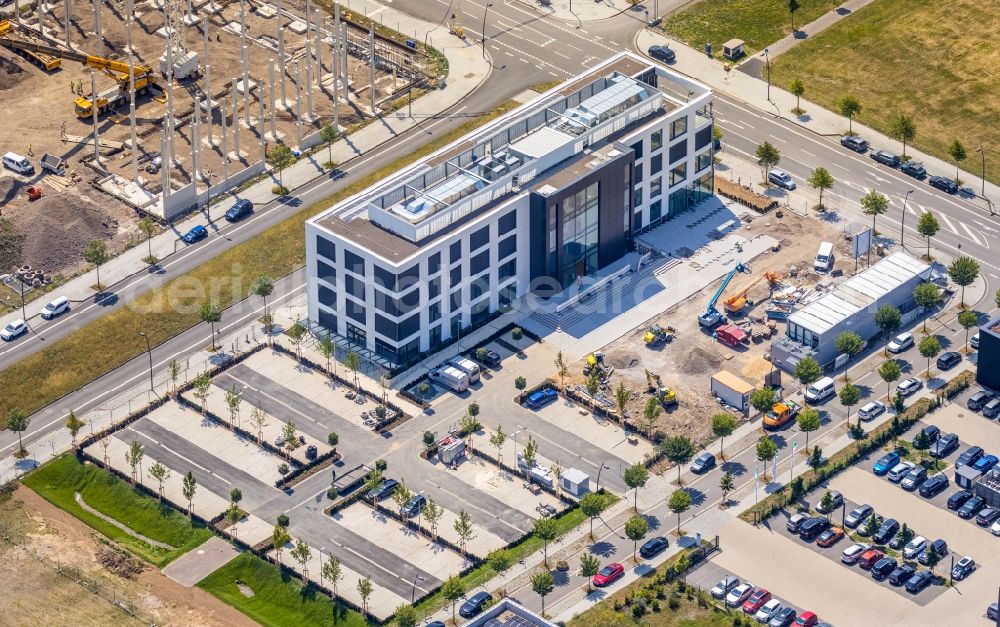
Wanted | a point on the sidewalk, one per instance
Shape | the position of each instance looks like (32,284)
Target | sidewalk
(467,70)
(816,26)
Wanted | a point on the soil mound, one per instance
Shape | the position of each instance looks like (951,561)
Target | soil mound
(56,229)
(10,73)
(699,361)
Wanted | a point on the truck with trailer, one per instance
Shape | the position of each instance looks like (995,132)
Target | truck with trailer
(451,378)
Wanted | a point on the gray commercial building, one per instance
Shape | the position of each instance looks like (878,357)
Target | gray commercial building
(988,362)
(850,306)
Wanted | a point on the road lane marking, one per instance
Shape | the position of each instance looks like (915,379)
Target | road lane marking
(971,234)
(948,223)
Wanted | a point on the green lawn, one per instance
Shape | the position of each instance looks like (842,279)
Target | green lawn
(759,23)
(59,480)
(934,60)
(278,599)
(111,340)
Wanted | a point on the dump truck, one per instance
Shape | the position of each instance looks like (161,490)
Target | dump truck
(781,414)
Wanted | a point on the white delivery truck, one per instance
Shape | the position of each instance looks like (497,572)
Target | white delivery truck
(451,378)
(467,366)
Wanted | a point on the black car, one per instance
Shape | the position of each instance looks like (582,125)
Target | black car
(240,210)
(858,515)
(384,490)
(886,532)
(971,507)
(663,53)
(933,486)
(855,143)
(943,183)
(783,618)
(475,604)
(885,158)
(932,434)
(919,581)
(987,516)
(958,499)
(436,623)
(883,568)
(415,506)
(653,547)
(489,358)
(813,527)
(940,549)
(977,400)
(703,463)
(991,408)
(914,169)
(902,574)
(992,610)
(944,446)
(948,360)
(969,456)
(311,452)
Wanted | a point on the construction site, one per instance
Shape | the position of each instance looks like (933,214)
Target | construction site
(102,98)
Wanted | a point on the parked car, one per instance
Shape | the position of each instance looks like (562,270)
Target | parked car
(662,53)
(885,463)
(436,623)
(768,611)
(475,604)
(415,506)
(795,521)
(806,619)
(279,440)
(933,486)
(55,308)
(857,515)
(885,158)
(943,183)
(384,490)
(899,471)
(830,537)
(312,452)
(900,343)
(13,329)
(869,557)
(490,358)
(902,573)
(949,360)
(909,386)
(995,528)
(914,168)
(992,610)
(197,232)
(963,568)
(914,547)
(855,143)
(919,581)
(883,568)
(240,209)
(653,547)
(703,463)
(608,575)
(784,617)
(958,499)
(541,397)
(986,516)
(992,408)
(985,463)
(871,410)
(977,400)
(931,431)
(969,456)
(853,553)
(944,446)
(756,600)
(836,500)
(971,507)
(781,179)
(940,549)
(739,594)
(974,341)
(723,586)
(811,528)
(887,531)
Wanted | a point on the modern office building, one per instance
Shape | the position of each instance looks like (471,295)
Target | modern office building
(988,359)
(552,191)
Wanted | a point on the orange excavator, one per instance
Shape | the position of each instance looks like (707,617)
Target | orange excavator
(736,303)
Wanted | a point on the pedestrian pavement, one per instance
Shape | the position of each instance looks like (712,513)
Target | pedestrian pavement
(818,25)
(195,565)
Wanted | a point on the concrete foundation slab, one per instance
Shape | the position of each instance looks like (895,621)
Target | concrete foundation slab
(298,27)
(201,562)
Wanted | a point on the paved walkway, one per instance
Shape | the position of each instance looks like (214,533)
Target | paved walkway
(818,25)
(122,526)
(195,565)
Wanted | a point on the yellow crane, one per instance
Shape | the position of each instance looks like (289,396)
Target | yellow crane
(44,61)
(108,99)
(735,303)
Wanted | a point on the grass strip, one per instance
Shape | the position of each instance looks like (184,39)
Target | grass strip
(59,480)
(278,598)
(111,340)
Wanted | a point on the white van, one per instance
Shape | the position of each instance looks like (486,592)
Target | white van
(824,257)
(18,163)
(467,366)
(821,390)
(56,307)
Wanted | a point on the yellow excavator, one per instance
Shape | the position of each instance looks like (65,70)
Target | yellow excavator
(106,100)
(665,395)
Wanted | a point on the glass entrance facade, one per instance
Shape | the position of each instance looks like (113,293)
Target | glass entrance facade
(580,217)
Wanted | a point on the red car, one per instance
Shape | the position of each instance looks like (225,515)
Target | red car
(756,601)
(806,619)
(869,557)
(608,575)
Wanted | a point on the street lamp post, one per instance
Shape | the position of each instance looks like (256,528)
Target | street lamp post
(767,60)
(902,219)
(982,153)
(24,316)
(485,13)
(603,466)
(149,351)
(513,437)
(413,590)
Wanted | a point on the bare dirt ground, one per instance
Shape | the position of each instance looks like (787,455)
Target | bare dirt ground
(688,361)
(50,532)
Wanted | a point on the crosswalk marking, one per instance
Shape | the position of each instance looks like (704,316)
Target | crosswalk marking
(951,227)
(972,235)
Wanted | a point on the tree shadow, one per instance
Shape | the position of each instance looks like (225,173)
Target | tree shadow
(603,548)
(560,578)
(734,468)
(652,522)
(697,496)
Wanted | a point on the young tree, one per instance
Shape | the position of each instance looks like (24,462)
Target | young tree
(635,477)
(650,414)
(499,560)
(353,362)
(849,394)
(592,504)
(160,473)
(590,565)
(542,583)
(546,529)
(329,135)
(401,496)
(530,454)
(516,334)
(680,501)
(497,439)
(333,572)
(888,319)
(726,484)
(520,383)
(233,516)
(968,319)
(302,554)
(636,529)
(148,228)
(874,204)
(133,457)
(963,271)
(557,473)
(808,421)
(432,514)
(593,383)
(767,157)
(453,589)
(798,89)
(211,314)
(406,616)
(826,503)
(202,386)
(821,179)
(279,540)
(326,348)
(816,457)
(957,152)
(297,333)
(848,343)
(291,436)
(902,128)
(679,450)
(365,589)
(929,347)
(763,399)
(766,451)
(235,496)
(872,524)
(463,527)
(561,369)
(96,253)
(890,372)
(259,420)
(928,296)
(263,286)
(850,107)
(922,442)
(279,158)
(808,370)
(188,488)
(928,226)
(74,424)
(174,369)
(793,6)
(723,426)
(233,400)
(622,397)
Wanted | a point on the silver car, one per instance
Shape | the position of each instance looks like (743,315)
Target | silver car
(909,386)
(722,588)
(871,410)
